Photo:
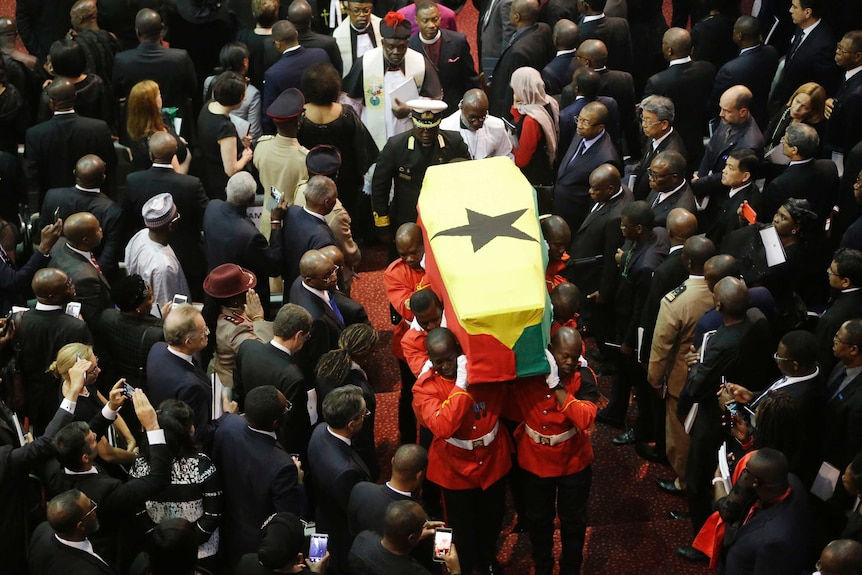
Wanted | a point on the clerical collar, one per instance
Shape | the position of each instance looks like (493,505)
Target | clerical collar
(367,29)
(433,40)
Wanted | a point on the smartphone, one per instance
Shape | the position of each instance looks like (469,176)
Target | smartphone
(748,213)
(442,543)
(180,299)
(317,547)
(276,195)
(56,215)
(127,390)
(73,309)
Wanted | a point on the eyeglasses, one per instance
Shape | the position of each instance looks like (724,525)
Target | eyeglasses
(654,176)
(481,118)
(777,357)
(650,124)
(841,50)
(831,273)
(176,218)
(364,415)
(93,507)
(584,122)
(359,11)
(287,407)
(836,339)
(329,274)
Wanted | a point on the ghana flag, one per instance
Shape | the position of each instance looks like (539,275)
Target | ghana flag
(486,258)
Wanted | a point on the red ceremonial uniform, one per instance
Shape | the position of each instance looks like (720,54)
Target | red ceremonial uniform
(571,322)
(538,408)
(552,272)
(401,282)
(413,347)
(450,412)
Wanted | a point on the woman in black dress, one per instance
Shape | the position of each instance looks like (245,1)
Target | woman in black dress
(93,97)
(262,51)
(145,117)
(223,152)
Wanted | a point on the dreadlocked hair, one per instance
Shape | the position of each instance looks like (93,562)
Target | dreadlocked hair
(332,368)
(779,424)
(358,340)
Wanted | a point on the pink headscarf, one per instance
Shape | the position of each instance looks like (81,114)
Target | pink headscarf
(530,100)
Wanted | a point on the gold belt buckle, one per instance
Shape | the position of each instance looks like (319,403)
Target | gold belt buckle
(478,443)
(543,440)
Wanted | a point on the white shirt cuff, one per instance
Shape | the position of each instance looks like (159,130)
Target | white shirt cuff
(67,405)
(109,413)
(156,437)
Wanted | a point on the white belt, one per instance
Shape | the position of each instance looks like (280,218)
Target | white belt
(471,444)
(550,439)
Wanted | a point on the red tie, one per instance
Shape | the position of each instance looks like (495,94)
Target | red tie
(94,262)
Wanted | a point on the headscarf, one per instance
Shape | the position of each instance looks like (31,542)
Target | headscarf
(530,98)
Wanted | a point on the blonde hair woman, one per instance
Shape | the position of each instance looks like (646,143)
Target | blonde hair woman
(144,117)
(77,361)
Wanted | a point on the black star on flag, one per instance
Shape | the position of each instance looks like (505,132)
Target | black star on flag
(483,228)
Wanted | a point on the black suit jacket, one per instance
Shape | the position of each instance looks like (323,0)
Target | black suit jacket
(191,202)
(846,306)
(455,67)
(620,86)
(844,129)
(667,276)
(232,238)
(259,478)
(287,73)
(712,40)
(689,86)
(172,377)
(259,363)
(754,69)
(558,73)
(816,181)
(633,288)
(326,43)
(107,211)
(91,287)
(335,468)
(301,232)
(54,147)
(325,327)
(41,22)
(48,556)
(15,281)
(841,434)
(725,139)
(720,218)
(813,61)
(673,143)
(171,68)
(680,199)
(531,46)
(367,506)
(614,32)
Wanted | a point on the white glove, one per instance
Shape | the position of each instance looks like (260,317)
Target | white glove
(425,367)
(461,377)
(553,378)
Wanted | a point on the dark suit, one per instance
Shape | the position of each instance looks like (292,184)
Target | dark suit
(569,124)
(614,32)
(107,211)
(259,363)
(232,238)
(689,86)
(844,129)
(455,66)
(753,69)
(259,477)
(172,377)
(41,22)
(191,201)
(558,73)
(367,506)
(309,39)
(725,139)
(15,463)
(91,288)
(712,40)
(620,86)
(287,73)
(815,181)
(15,281)
(813,61)
(48,556)
(682,198)
(668,275)
(531,46)
(845,306)
(326,327)
(571,193)
(171,68)
(335,469)
(672,143)
(54,147)
(720,218)
(776,539)
(301,232)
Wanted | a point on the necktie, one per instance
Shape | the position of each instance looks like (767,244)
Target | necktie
(656,200)
(797,40)
(835,383)
(4,257)
(578,151)
(335,309)
(94,262)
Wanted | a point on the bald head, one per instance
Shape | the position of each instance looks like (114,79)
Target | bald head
(163,147)
(408,235)
(65,511)
(148,25)
(676,43)
(84,14)
(442,340)
(595,52)
(695,253)
(842,556)
(334,253)
(475,97)
(61,95)
(681,225)
(606,176)
(566,347)
(313,263)
(746,31)
(52,286)
(90,172)
(527,12)
(409,462)
(566,301)
(82,231)
(300,14)
(284,32)
(566,35)
(556,230)
(731,295)
(719,267)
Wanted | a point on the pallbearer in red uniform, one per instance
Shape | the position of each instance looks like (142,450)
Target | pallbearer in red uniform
(428,314)
(470,454)
(554,451)
(402,278)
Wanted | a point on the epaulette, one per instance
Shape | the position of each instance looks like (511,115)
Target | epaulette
(235,319)
(673,294)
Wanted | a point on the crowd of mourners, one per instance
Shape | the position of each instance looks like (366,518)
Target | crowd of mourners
(186,187)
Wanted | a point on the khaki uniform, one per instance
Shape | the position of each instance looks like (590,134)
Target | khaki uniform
(232,329)
(678,315)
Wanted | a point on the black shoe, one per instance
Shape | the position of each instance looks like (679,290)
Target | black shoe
(494,568)
(602,417)
(690,553)
(678,514)
(624,438)
(650,453)
(669,486)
